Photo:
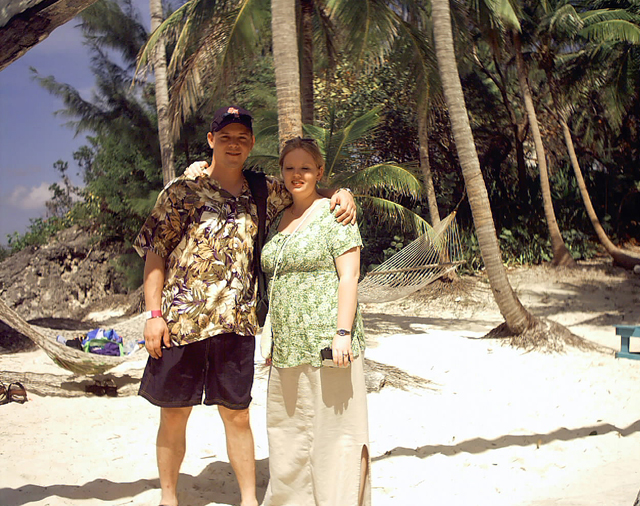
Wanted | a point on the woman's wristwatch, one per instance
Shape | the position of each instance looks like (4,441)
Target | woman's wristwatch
(343,332)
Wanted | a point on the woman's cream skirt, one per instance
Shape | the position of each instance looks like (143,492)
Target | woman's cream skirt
(318,433)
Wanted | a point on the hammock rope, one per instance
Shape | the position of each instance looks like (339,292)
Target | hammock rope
(431,256)
(71,359)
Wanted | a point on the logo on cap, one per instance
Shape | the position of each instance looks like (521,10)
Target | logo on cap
(234,111)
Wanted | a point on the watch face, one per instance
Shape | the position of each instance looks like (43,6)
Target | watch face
(343,332)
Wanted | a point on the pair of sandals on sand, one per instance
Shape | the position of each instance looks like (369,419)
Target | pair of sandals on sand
(107,387)
(15,392)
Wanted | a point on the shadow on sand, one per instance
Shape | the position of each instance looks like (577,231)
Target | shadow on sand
(479,445)
(206,488)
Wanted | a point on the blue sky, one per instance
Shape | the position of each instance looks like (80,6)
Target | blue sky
(32,138)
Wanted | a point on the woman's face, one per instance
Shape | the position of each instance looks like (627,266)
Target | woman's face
(300,173)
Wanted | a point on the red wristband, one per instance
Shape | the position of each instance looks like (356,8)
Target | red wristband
(155,313)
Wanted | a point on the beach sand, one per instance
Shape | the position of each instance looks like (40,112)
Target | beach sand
(496,425)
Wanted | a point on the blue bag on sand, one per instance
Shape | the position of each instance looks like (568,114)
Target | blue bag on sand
(103,342)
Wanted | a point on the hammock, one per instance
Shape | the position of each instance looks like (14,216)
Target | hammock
(430,256)
(76,361)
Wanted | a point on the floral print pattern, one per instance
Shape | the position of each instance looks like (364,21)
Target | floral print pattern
(304,302)
(206,236)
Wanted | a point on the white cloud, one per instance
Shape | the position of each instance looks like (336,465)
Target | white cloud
(29,198)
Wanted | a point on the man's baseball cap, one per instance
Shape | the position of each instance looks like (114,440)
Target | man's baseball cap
(231,114)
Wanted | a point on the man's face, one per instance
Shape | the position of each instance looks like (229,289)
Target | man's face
(231,146)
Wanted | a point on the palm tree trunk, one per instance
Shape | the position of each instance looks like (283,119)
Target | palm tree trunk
(159,61)
(517,318)
(425,165)
(287,69)
(626,260)
(561,255)
(306,61)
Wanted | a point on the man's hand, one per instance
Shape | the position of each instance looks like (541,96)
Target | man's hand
(198,169)
(155,333)
(346,214)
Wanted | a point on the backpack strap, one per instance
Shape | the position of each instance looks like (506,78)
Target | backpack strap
(258,186)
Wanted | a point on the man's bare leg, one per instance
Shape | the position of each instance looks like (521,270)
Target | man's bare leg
(241,451)
(170,448)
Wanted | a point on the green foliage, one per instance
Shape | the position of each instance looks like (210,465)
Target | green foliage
(39,232)
(62,200)
(131,265)
(470,253)
(122,185)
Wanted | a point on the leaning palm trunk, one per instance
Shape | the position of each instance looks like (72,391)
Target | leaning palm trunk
(287,70)
(561,255)
(624,259)
(517,318)
(425,165)
(159,60)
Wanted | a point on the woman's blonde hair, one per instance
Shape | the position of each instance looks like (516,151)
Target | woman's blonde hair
(309,145)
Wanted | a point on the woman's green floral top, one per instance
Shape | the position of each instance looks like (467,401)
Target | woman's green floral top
(304,301)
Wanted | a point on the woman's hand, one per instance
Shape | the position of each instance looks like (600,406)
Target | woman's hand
(197,169)
(341,349)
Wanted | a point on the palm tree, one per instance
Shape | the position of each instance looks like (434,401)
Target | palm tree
(211,37)
(561,255)
(517,318)
(159,59)
(561,28)
(418,54)
(285,61)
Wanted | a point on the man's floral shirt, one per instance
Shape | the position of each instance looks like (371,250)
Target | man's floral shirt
(206,236)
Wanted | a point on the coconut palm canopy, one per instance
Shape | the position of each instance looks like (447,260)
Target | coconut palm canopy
(25,23)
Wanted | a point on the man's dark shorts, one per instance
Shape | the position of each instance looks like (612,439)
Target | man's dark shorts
(221,367)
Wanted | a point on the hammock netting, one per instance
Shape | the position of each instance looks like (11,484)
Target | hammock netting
(73,360)
(431,256)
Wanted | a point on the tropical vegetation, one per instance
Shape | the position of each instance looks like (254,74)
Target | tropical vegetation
(550,92)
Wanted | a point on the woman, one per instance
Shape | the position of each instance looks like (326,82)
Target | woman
(316,412)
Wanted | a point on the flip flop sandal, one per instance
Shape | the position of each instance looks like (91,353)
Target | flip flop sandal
(17,393)
(4,395)
(110,387)
(97,388)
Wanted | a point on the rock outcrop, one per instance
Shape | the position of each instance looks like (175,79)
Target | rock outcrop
(61,279)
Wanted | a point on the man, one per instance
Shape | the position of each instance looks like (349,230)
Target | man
(200,295)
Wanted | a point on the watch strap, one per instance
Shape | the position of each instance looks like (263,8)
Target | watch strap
(154,313)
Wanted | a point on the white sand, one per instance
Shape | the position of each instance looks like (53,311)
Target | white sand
(499,427)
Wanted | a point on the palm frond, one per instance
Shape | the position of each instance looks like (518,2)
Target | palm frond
(108,24)
(214,38)
(369,28)
(391,177)
(337,144)
(421,56)
(616,30)
(390,212)
(169,29)
(564,20)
